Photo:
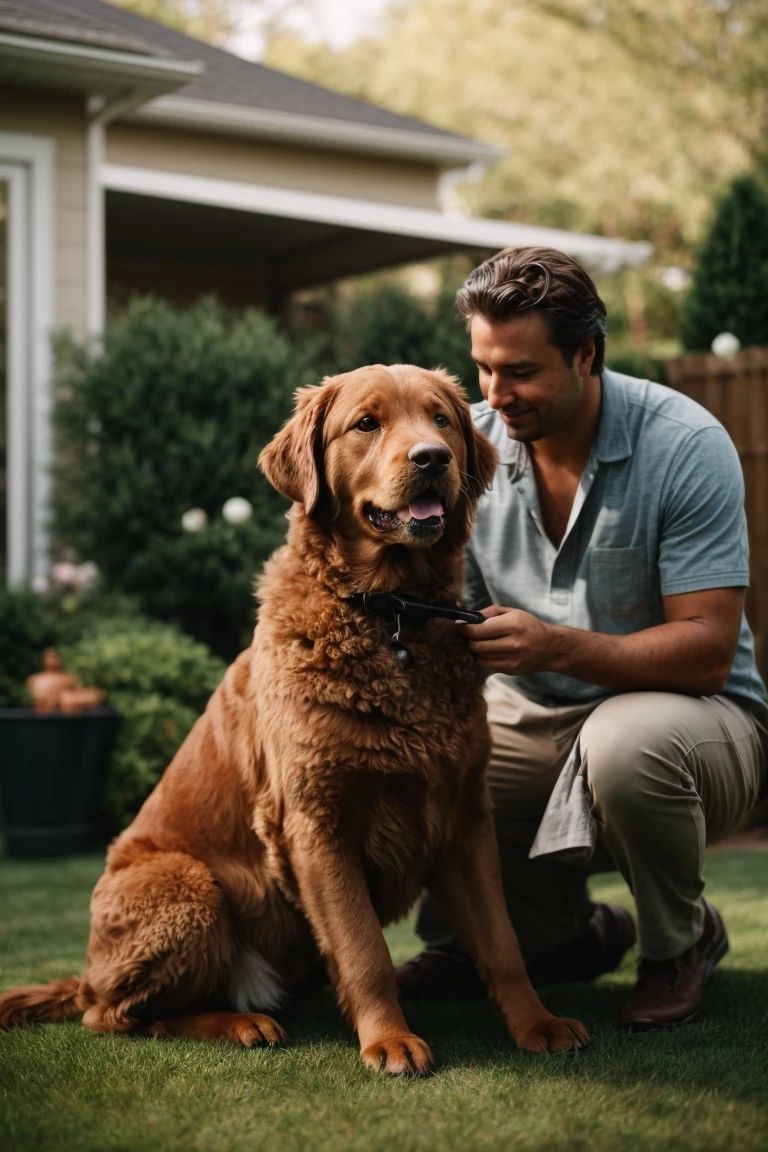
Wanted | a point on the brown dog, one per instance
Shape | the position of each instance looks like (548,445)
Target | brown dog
(326,783)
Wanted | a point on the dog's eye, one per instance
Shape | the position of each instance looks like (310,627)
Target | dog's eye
(441,420)
(367,424)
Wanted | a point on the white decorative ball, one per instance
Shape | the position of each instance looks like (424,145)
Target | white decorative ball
(726,345)
(194,520)
(237,510)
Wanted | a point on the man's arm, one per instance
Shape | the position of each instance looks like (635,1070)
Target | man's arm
(691,652)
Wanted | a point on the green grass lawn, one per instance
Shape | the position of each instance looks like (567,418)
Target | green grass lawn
(704,1087)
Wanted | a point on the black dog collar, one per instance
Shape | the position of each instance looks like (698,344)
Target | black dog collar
(399,605)
(396,606)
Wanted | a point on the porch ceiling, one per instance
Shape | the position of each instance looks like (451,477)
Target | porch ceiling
(298,253)
(307,238)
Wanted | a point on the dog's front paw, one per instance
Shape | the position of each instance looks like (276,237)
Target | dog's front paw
(550,1034)
(402,1054)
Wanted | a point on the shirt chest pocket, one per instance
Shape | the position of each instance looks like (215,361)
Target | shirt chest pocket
(619,587)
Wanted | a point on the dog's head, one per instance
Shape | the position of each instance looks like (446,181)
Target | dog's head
(390,452)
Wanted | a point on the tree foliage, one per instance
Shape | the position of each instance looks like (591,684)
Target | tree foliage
(729,292)
(605,133)
(210,20)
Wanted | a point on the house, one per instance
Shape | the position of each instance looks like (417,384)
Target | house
(134,158)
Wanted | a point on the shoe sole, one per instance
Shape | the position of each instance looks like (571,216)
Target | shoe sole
(657,1026)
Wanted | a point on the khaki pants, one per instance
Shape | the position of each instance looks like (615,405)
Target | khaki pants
(667,775)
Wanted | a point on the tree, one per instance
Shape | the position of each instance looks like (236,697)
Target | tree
(711,55)
(595,142)
(210,20)
(729,292)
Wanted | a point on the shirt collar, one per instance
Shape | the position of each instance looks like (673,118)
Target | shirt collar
(613,442)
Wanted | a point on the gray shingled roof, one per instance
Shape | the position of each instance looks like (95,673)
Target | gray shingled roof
(227,79)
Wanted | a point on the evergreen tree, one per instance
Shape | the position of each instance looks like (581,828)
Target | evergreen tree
(729,292)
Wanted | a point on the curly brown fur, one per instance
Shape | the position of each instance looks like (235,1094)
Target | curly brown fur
(325,784)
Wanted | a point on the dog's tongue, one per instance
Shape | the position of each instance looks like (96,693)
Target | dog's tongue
(422,508)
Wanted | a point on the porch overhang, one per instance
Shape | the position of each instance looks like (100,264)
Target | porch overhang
(311,238)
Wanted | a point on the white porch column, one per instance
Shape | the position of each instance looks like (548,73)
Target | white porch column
(30,160)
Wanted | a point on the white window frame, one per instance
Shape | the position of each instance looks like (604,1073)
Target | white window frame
(28,164)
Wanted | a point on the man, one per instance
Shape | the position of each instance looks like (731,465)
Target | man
(610,560)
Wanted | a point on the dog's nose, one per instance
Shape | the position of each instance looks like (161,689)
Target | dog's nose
(433,458)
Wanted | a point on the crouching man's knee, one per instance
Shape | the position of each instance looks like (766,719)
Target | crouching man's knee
(632,760)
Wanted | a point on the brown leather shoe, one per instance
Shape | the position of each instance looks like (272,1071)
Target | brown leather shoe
(668,993)
(451,975)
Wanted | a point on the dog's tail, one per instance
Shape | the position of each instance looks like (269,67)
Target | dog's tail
(42,1003)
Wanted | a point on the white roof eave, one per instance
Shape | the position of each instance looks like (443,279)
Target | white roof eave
(154,72)
(602,255)
(187,112)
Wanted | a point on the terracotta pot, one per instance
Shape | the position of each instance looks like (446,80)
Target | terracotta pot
(46,687)
(74,700)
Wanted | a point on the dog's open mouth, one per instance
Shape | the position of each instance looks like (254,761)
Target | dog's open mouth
(424,514)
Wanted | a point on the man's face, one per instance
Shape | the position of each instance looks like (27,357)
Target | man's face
(525,378)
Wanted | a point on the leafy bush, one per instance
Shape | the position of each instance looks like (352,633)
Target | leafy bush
(26,628)
(172,416)
(159,680)
(385,324)
(644,366)
(730,281)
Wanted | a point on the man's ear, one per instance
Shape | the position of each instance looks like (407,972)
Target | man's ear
(482,458)
(293,459)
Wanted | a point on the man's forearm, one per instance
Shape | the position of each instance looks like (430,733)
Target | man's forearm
(681,656)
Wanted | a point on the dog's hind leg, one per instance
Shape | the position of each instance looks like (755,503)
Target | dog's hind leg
(161,951)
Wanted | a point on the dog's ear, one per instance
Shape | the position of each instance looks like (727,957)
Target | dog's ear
(293,459)
(482,458)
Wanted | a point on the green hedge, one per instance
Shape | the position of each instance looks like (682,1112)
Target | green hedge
(159,680)
(27,627)
(172,416)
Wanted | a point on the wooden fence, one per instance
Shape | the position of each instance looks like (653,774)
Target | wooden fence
(736,392)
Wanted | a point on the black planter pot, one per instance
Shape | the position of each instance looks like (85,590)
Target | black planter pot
(52,769)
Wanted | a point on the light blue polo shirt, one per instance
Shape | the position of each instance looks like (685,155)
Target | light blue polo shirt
(659,511)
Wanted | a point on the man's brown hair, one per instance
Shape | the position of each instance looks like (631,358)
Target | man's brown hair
(544,280)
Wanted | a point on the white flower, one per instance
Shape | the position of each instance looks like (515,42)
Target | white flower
(726,345)
(194,519)
(41,585)
(65,573)
(237,509)
(87,576)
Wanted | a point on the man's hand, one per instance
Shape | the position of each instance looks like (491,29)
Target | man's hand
(512,641)
(692,651)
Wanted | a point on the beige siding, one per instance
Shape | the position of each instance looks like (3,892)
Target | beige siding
(277,165)
(61,118)
(183,283)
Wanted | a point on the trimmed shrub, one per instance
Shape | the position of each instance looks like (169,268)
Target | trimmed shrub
(27,627)
(729,292)
(386,324)
(172,416)
(159,680)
